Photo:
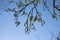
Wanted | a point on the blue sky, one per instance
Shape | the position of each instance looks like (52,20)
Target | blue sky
(8,30)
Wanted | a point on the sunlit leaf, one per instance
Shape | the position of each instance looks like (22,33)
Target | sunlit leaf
(39,19)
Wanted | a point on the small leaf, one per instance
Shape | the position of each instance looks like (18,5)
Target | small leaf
(31,18)
(45,4)
(39,14)
(39,19)
(37,1)
(17,23)
(35,19)
(20,4)
(23,13)
(15,15)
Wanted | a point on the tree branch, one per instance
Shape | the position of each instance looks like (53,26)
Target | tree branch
(57,8)
(53,6)
(26,6)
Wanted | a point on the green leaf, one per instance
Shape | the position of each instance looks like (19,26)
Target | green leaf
(39,19)
(31,18)
(19,4)
(37,1)
(15,15)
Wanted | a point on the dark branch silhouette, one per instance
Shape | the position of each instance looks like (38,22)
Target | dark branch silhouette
(31,19)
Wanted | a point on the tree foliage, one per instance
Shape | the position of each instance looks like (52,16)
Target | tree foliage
(31,19)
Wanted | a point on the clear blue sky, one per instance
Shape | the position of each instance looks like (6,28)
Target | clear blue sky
(8,30)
